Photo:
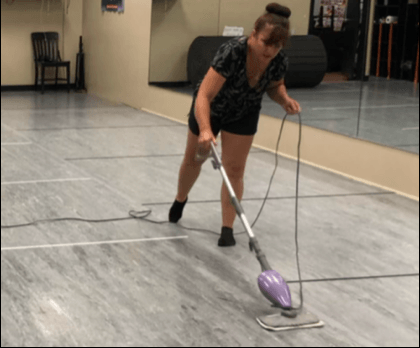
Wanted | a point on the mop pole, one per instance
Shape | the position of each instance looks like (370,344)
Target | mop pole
(253,243)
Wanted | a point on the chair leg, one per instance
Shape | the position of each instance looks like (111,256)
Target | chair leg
(43,79)
(36,76)
(68,78)
(56,77)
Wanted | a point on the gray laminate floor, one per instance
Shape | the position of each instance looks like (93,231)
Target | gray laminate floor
(134,283)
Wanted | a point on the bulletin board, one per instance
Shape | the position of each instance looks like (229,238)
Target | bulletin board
(113,5)
(340,13)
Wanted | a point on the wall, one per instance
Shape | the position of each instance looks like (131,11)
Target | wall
(175,24)
(117,51)
(19,19)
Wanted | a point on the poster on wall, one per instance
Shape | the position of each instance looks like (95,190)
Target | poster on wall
(113,5)
(340,7)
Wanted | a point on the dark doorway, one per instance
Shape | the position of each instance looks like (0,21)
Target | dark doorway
(341,25)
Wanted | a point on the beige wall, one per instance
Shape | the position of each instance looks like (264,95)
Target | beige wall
(20,19)
(176,23)
(117,51)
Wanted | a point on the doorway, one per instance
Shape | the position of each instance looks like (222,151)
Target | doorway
(341,25)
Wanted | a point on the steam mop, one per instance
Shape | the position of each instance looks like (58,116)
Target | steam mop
(271,283)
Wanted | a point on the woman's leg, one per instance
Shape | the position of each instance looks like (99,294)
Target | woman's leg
(188,174)
(190,168)
(235,151)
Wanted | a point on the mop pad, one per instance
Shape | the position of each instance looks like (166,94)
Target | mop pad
(279,322)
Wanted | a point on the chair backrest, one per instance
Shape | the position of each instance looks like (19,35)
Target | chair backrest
(45,46)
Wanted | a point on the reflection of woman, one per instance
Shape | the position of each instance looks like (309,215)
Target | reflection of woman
(229,100)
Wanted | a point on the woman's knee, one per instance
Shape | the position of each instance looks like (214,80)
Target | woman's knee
(235,153)
(235,171)
(190,157)
(193,162)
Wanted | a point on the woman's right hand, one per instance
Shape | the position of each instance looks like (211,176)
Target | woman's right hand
(204,144)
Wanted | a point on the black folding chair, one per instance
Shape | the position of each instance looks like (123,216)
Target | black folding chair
(47,54)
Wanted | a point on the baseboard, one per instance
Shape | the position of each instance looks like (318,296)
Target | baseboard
(351,177)
(170,84)
(25,88)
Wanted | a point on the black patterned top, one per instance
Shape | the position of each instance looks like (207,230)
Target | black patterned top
(237,100)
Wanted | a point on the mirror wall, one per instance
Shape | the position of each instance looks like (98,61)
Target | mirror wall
(368,91)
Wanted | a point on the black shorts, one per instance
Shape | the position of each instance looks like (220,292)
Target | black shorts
(246,126)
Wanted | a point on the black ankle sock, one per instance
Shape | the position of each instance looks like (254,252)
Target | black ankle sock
(176,211)
(226,238)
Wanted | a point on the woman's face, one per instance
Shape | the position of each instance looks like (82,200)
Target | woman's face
(258,42)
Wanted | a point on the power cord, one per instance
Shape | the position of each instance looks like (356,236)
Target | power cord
(139,214)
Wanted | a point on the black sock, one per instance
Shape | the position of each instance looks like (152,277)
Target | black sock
(176,211)
(226,238)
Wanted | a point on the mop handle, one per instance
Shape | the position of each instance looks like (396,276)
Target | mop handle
(217,164)
(253,243)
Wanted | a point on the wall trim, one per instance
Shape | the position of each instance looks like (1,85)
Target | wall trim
(24,88)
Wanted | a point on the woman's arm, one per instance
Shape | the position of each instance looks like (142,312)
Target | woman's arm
(210,87)
(277,92)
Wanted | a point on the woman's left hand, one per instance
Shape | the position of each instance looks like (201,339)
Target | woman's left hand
(291,106)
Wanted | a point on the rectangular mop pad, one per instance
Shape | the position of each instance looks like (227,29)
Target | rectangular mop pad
(278,322)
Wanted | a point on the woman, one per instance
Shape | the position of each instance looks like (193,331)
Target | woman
(229,100)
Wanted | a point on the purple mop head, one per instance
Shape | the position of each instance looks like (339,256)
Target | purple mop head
(275,289)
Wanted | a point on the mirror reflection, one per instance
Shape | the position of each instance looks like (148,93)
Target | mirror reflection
(352,63)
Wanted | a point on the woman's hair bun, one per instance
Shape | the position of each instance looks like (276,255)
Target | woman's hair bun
(278,10)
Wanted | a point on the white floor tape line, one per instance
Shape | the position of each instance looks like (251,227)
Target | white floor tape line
(93,243)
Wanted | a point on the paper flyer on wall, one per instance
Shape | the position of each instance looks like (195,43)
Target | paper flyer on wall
(339,15)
